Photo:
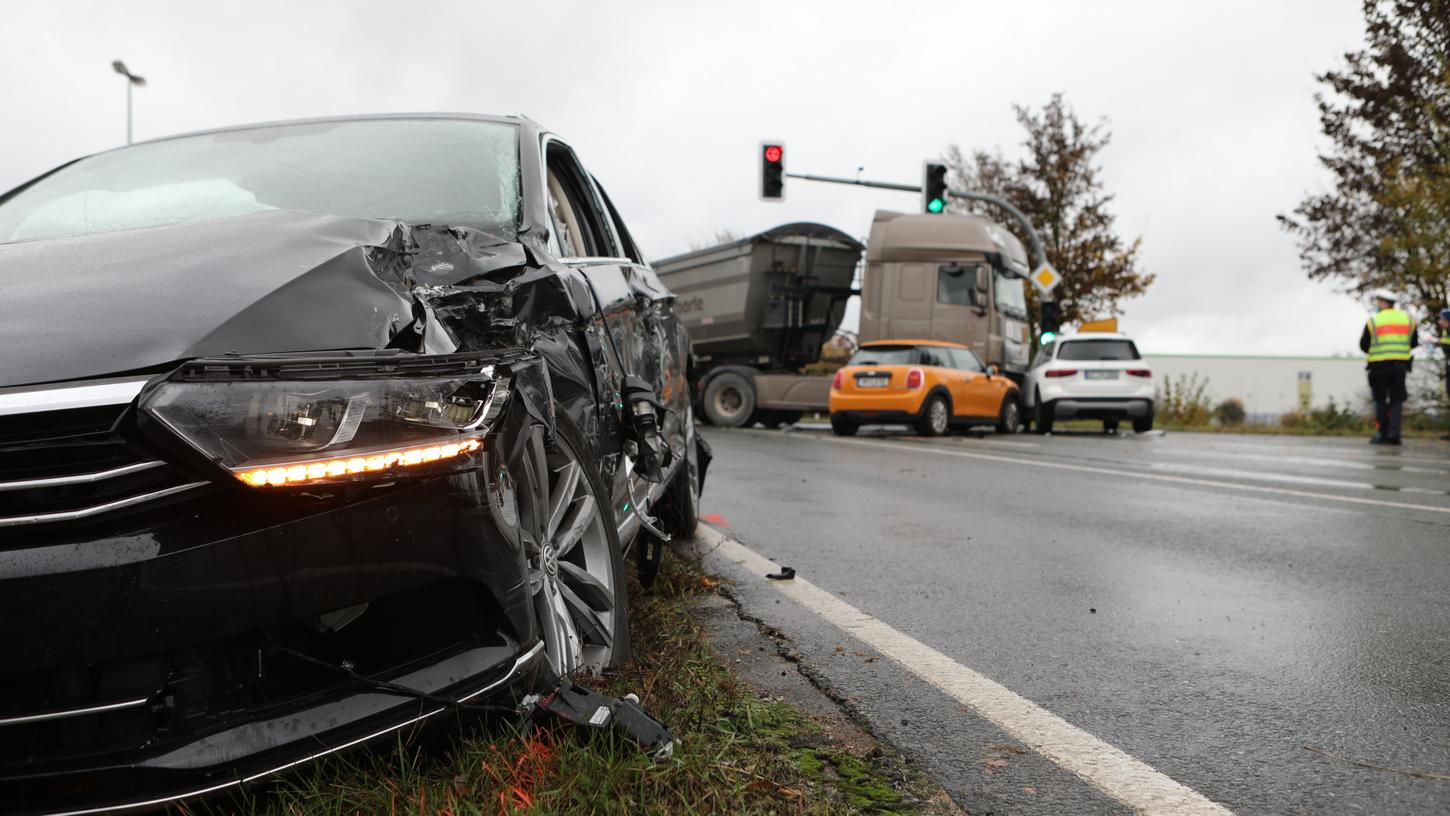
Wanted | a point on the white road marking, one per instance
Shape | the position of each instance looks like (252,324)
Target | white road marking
(1155,477)
(1128,780)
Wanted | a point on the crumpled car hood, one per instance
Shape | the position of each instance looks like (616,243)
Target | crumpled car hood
(281,281)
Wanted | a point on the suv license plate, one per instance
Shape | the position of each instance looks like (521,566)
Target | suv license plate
(1101,375)
(872,382)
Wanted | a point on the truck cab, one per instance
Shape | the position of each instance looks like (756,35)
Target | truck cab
(958,278)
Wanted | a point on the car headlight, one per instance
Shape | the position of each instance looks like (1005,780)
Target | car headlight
(297,422)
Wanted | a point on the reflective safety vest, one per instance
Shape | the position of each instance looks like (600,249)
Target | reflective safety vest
(1389,336)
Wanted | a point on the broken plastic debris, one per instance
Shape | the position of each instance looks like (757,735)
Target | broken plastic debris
(785,574)
(592,710)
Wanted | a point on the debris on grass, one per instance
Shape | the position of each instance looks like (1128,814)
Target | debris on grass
(738,751)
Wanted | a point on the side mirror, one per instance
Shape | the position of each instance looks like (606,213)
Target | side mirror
(993,371)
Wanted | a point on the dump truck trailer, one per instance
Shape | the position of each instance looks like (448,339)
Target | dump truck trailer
(760,308)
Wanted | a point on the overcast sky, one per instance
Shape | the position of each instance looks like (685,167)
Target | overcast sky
(1210,106)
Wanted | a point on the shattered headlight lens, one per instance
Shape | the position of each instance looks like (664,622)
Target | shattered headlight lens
(278,433)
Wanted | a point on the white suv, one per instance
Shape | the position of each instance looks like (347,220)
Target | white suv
(1090,376)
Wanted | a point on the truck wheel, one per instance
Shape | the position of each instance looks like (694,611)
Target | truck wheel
(1044,416)
(841,426)
(1143,424)
(936,418)
(729,400)
(1009,419)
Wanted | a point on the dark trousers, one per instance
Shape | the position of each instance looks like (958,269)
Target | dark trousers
(1387,390)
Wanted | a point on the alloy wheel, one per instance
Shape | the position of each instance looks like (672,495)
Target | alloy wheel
(1012,417)
(938,417)
(571,573)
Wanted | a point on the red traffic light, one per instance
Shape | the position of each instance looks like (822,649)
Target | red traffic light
(773,153)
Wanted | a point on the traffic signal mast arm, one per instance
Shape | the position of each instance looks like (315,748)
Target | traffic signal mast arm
(880,185)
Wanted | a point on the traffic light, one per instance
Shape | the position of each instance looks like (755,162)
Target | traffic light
(934,187)
(772,171)
(1048,323)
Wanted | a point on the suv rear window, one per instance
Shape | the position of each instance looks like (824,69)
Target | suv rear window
(1084,350)
(883,355)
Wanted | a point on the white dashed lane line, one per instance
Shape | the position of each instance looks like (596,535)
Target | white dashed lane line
(1128,780)
(914,448)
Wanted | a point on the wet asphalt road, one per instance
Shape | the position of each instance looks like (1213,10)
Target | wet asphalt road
(1211,630)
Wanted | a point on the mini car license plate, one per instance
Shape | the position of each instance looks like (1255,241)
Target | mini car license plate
(1101,375)
(872,382)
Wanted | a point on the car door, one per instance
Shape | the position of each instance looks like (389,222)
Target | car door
(668,358)
(943,370)
(1034,374)
(582,236)
(977,391)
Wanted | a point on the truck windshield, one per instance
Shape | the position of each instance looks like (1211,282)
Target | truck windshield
(1088,350)
(424,171)
(1011,296)
(883,355)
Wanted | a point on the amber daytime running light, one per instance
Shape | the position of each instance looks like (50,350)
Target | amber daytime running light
(300,473)
(364,423)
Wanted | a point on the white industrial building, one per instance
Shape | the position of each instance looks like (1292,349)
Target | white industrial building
(1272,386)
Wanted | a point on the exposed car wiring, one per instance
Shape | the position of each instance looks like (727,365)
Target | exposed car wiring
(388,687)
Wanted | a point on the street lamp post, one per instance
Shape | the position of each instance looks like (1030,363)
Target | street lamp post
(131,79)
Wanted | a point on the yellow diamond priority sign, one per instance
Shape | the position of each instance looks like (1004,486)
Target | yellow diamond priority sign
(1045,278)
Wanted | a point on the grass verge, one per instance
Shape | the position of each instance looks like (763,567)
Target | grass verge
(739,752)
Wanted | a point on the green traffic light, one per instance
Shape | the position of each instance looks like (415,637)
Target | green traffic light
(936,205)
(1048,337)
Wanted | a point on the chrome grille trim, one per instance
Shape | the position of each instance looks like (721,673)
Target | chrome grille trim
(81,478)
(72,712)
(74,396)
(96,510)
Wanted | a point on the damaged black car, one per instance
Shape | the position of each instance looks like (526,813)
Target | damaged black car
(313,431)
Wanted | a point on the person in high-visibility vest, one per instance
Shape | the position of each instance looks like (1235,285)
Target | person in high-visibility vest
(1445,350)
(1386,341)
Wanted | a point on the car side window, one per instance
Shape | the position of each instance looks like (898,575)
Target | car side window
(935,357)
(965,360)
(1044,356)
(574,212)
(625,239)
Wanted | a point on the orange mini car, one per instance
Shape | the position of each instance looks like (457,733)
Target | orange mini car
(931,385)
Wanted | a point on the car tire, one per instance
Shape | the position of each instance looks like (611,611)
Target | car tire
(1143,424)
(1009,417)
(555,580)
(1044,417)
(936,417)
(729,400)
(843,426)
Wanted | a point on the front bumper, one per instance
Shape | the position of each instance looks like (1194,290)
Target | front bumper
(157,656)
